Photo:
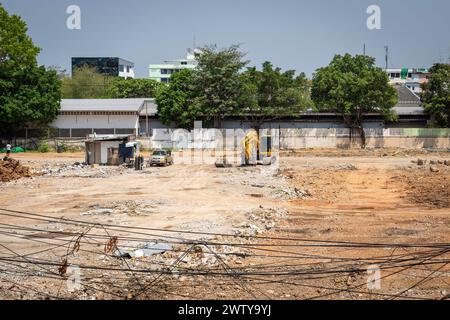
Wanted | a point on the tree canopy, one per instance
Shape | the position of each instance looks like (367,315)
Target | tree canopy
(270,94)
(29,94)
(175,100)
(436,94)
(86,83)
(218,81)
(132,88)
(353,87)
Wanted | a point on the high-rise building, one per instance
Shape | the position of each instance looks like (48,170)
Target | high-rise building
(115,67)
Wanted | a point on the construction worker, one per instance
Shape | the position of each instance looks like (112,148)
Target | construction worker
(8,151)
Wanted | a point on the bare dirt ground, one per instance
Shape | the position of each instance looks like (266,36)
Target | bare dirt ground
(318,227)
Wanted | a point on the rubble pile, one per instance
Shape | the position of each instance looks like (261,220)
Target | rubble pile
(291,193)
(61,168)
(128,207)
(259,221)
(11,169)
(434,165)
(427,184)
(79,170)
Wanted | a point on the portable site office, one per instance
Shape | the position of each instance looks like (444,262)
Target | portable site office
(110,150)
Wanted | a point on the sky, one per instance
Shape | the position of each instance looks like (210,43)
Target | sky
(302,35)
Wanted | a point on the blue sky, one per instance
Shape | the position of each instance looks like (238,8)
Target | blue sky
(294,34)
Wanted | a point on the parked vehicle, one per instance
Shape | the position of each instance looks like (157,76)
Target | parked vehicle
(161,158)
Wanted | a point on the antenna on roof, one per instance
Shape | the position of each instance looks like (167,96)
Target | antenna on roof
(386,48)
(364,50)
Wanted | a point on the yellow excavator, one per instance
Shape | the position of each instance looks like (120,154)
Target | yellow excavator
(251,145)
(252,154)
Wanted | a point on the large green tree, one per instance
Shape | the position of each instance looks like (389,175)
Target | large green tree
(29,94)
(175,100)
(218,81)
(270,94)
(86,83)
(354,87)
(132,88)
(436,94)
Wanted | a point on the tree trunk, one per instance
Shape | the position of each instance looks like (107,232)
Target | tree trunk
(362,134)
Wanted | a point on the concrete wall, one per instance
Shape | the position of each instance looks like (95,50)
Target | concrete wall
(308,138)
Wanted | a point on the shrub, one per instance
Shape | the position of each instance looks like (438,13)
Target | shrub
(43,148)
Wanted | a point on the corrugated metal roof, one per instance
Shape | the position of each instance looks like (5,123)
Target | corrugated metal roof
(130,105)
(406,95)
(408,102)
(150,108)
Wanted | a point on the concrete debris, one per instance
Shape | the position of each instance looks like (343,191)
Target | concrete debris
(421,162)
(146,250)
(222,163)
(258,185)
(290,193)
(267,161)
(434,169)
(128,207)
(346,166)
(98,212)
(260,220)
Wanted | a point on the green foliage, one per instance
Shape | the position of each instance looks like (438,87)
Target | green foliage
(175,100)
(17,50)
(132,88)
(218,81)
(270,94)
(86,83)
(436,94)
(29,95)
(43,148)
(353,87)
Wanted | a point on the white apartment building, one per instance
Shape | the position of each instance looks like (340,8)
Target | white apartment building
(412,78)
(163,72)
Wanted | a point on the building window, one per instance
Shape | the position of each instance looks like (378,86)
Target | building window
(128,69)
(184,63)
(165,80)
(121,68)
(164,71)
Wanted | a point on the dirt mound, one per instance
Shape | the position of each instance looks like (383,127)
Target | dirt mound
(12,170)
(428,186)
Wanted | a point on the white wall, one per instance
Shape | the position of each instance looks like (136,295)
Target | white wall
(96,122)
(104,149)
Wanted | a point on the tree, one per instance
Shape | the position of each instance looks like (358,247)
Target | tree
(436,94)
(270,94)
(218,81)
(86,83)
(132,88)
(175,100)
(29,95)
(353,87)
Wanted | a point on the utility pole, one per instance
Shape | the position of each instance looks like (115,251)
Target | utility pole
(364,50)
(386,48)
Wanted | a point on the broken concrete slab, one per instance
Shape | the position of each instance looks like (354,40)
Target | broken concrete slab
(146,250)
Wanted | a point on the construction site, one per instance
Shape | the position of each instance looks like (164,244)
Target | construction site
(320,224)
(292,151)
